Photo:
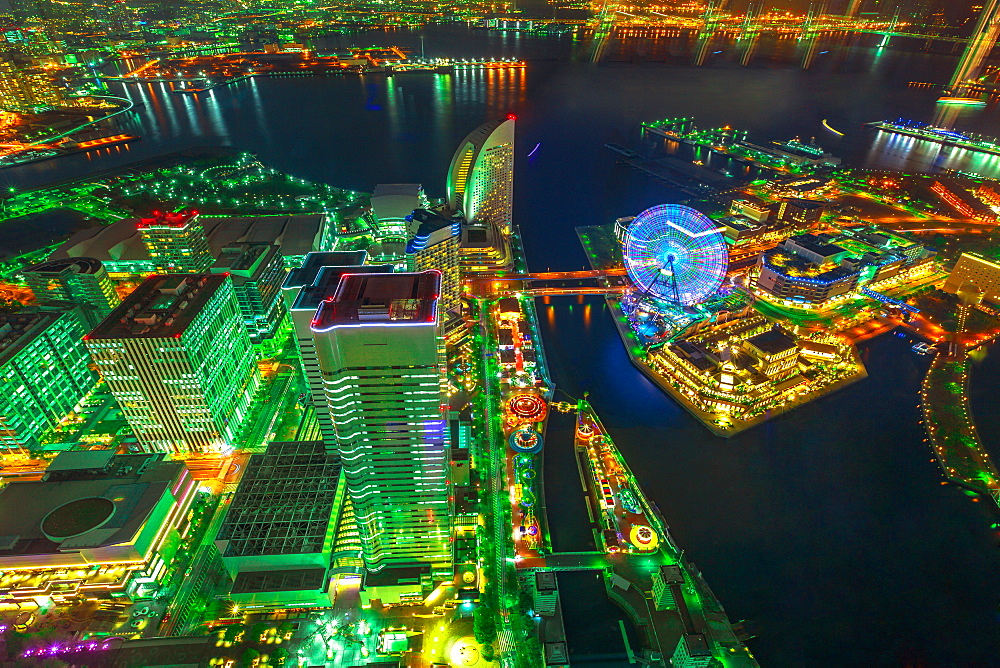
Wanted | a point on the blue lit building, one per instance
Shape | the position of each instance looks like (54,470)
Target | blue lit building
(805,271)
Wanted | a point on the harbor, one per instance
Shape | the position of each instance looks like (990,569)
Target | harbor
(788,157)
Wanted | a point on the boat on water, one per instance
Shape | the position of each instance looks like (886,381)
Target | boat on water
(962,101)
(940,135)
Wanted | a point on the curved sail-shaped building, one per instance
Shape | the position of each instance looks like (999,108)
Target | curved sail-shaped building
(481,177)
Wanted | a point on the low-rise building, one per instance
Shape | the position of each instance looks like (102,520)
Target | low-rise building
(980,271)
(545,593)
(774,352)
(120,247)
(802,213)
(755,210)
(278,535)
(740,366)
(392,204)
(98,525)
(955,195)
(665,579)
(805,271)
(692,652)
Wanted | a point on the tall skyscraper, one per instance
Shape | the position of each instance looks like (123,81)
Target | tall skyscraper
(381,356)
(43,373)
(177,357)
(176,242)
(257,271)
(481,177)
(80,280)
(305,288)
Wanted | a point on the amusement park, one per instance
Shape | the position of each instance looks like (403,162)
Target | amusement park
(523,393)
(708,334)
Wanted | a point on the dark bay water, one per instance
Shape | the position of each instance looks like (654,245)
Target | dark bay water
(828,526)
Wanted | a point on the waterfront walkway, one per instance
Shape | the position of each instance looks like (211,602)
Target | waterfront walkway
(951,429)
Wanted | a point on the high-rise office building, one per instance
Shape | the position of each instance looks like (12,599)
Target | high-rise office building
(176,355)
(257,271)
(176,242)
(381,355)
(304,289)
(80,280)
(435,245)
(44,373)
(481,177)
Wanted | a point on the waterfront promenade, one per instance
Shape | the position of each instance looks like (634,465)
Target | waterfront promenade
(951,429)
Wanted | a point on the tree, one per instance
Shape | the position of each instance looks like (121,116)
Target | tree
(488,653)
(257,631)
(484,625)
(529,652)
(525,599)
(233,631)
(285,628)
(14,643)
(279,655)
(250,657)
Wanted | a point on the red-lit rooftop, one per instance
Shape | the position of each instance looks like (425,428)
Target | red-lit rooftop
(381,299)
(167,219)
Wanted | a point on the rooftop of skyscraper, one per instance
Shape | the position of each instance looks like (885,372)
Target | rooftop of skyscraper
(241,256)
(284,501)
(306,274)
(162,306)
(327,280)
(245,261)
(372,299)
(167,219)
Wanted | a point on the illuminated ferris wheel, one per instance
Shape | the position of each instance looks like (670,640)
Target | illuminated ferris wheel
(675,254)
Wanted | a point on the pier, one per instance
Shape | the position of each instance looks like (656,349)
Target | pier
(636,569)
